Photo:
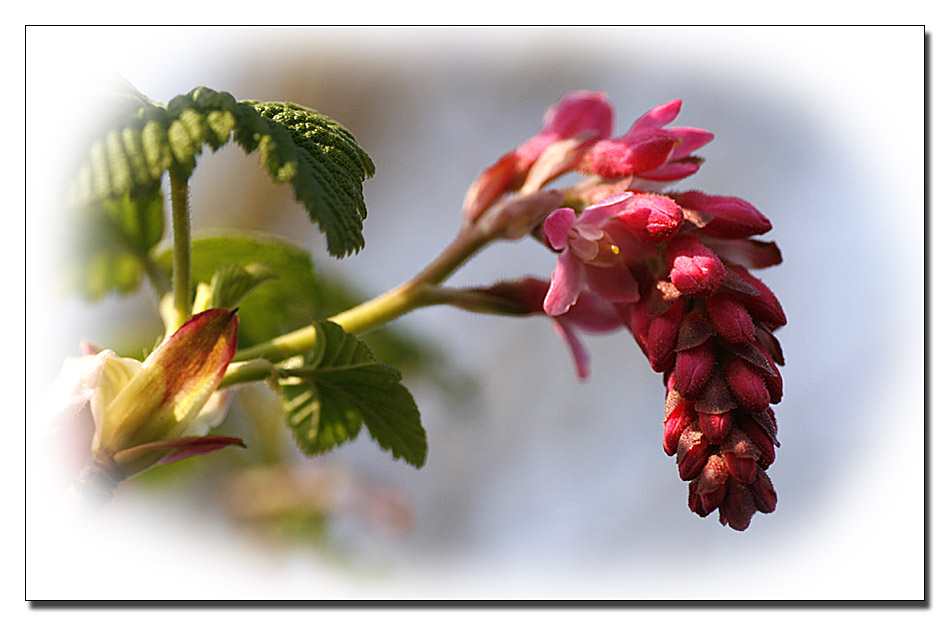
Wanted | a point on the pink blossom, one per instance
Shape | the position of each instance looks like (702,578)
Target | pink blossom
(594,247)
(648,150)
(579,118)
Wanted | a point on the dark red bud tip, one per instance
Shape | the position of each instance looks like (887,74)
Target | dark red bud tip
(715,426)
(712,482)
(737,508)
(741,456)
(763,307)
(693,369)
(691,453)
(730,319)
(732,217)
(747,385)
(695,501)
(763,493)
(676,422)
(661,340)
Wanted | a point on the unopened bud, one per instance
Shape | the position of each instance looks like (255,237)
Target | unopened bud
(695,270)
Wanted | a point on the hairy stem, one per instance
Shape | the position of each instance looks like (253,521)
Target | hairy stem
(181,257)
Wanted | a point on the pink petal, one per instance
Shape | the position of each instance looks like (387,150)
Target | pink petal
(579,112)
(660,115)
(578,352)
(565,286)
(557,226)
(672,171)
(690,139)
(614,283)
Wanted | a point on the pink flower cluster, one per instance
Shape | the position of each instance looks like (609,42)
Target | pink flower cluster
(673,268)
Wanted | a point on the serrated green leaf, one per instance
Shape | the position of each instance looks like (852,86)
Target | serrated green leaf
(339,387)
(318,157)
(329,174)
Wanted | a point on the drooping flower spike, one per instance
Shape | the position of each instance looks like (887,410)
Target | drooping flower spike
(675,268)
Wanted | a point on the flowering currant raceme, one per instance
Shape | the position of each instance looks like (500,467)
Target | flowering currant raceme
(671,266)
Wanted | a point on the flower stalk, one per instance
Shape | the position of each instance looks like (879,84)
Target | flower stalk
(181,254)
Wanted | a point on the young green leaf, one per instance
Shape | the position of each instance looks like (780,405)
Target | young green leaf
(329,173)
(318,157)
(340,386)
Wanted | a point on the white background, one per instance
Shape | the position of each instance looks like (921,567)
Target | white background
(822,129)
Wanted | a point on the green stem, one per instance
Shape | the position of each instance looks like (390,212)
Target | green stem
(411,295)
(181,257)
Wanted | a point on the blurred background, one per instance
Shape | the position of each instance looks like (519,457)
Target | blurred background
(536,485)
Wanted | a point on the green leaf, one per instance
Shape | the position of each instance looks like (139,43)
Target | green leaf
(340,386)
(330,170)
(112,251)
(231,283)
(318,157)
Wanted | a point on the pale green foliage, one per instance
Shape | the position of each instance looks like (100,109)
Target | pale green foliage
(340,386)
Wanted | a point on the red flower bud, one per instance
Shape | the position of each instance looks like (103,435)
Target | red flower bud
(695,270)
(715,426)
(741,456)
(691,452)
(730,319)
(653,217)
(712,482)
(760,438)
(661,340)
(737,508)
(764,307)
(675,423)
(747,385)
(733,218)
(693,369)
(763,493)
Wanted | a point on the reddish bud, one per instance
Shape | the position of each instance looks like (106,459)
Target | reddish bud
(747,385)
(693,369)
(695,270)
(730,319)
(661,340)
(675,423)
(715,426)
(653,217)
(763,493)
(760,439)
(711,486)
(733,218)
(691,452)
(741,456)
(694,501)
(737,508)
(764,307)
